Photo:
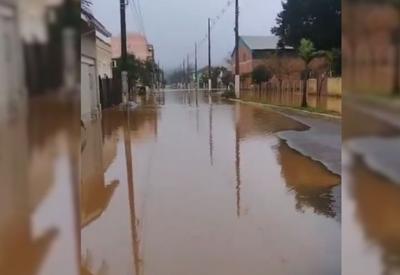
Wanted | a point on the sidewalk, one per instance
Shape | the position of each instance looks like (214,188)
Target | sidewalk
(321,142)
(378,141)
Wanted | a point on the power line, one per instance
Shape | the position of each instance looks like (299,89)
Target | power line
(139,19)
(141,15)
(214,22)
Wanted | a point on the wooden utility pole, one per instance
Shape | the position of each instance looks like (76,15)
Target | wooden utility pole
(237,69)
(124,73)
(187,72)
(123,33)
(209,54)
(184,74)
(195,66)
(158,74)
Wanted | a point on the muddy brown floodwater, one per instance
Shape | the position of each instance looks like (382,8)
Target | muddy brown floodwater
(38,196)
(371,201)
(186,185)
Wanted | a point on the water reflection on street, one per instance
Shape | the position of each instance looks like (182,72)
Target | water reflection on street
(190,184)
(38,202)
(371,203)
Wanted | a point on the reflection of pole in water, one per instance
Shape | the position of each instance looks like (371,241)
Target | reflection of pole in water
(131,194)
(197,99)
(237,159)
(156,124)
(197,113)
(210,135)
(237,166)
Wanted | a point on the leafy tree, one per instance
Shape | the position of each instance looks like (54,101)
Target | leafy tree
(133,67)
(306,52)
(227,78)
(336,62)
(147,72)
(139,72)
(204,79)
(261,74)
(282,66)
(217,74)
(316,20)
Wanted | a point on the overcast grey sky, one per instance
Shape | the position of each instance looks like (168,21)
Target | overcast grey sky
(173,26)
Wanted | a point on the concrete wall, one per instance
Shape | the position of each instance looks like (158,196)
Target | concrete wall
(12,88)
(312,86)
(334,86)
(104,58)
(368,51)
(88,43)
(90,97)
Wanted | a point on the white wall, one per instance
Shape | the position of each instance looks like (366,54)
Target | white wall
(89,95)
(90,98)
(12,92)
(104,58)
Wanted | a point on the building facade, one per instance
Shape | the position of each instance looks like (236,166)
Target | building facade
(95,61)
(12,89)
(136,45)
(103,54)
(262,50)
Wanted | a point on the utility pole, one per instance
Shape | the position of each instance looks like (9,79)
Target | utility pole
(184,74)
(195,67)
(124,73)
(188,72)
(209,54)
(237,69)
(158,75)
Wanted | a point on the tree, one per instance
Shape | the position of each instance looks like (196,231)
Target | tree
(316,20)
(283,66)
(306,52)
(227,78)
(261,74)
(133,67)
(139,72)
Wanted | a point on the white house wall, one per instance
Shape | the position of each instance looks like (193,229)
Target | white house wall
(104,58)
(12,92)
(90,97)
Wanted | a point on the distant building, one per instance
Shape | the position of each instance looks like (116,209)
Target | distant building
(254,51)
(136,44)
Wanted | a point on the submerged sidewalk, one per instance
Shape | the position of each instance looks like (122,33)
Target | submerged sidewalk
(376,142)
(321,142)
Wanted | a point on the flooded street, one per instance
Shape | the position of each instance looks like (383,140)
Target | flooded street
(38,195)
(371,199)
(187,184)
